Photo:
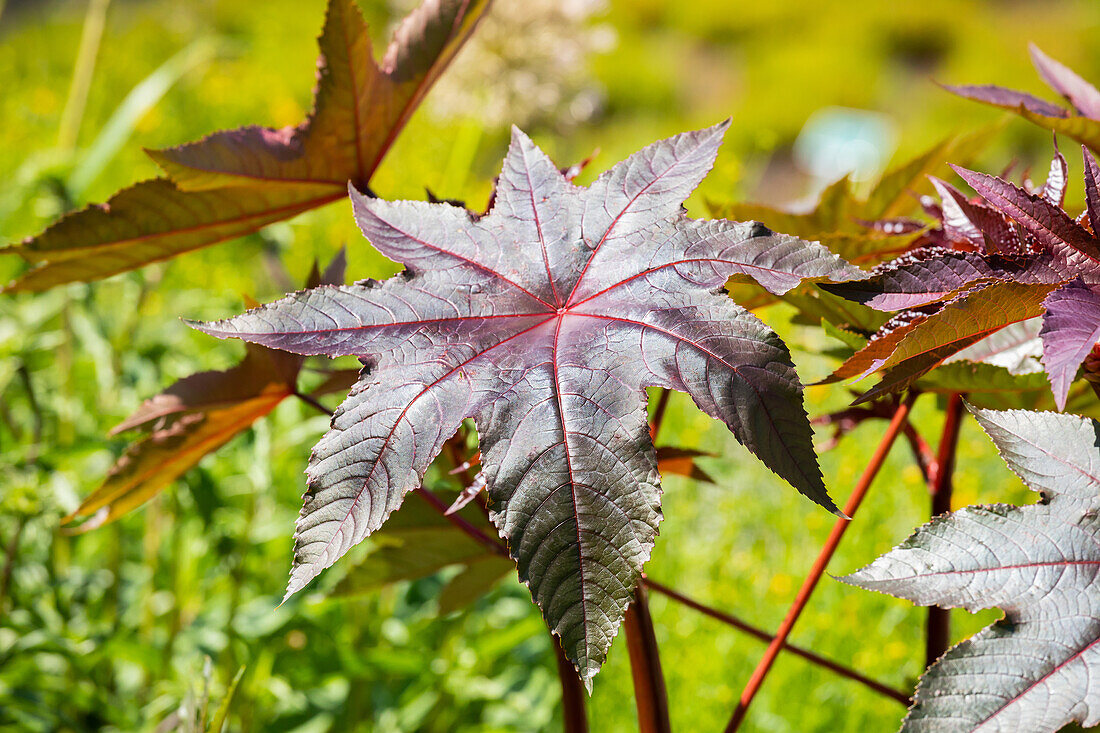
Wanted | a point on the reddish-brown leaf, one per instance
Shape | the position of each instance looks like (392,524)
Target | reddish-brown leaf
(235,182)
(1083,126)
(1051,226)
(156,460)
(962,322)
(196,416)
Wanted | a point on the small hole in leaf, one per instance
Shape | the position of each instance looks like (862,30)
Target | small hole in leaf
(759,230)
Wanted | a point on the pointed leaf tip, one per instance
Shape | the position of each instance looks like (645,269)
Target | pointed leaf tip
(1045,221)
(1092,194)
(234,182)
(1059,77)
(1005,98)
(210,328)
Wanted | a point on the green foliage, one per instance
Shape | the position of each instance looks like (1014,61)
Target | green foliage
(110,629)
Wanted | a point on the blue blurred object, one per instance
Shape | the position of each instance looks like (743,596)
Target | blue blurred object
(839,141)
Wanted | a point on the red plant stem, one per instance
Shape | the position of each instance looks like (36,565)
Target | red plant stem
(659,415)
(572,692)
(922,452)
(818,569)
(465,476)
(899,695)
(441,506)
(645,666)
(937,636)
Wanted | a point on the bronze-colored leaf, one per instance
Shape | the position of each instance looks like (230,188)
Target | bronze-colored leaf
(235,182)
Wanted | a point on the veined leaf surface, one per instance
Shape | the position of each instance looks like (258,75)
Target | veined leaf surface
(235,182)
(545,321)
(1039,667)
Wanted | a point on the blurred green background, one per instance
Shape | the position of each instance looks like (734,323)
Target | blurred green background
(110,630)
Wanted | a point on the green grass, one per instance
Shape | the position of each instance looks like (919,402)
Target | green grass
(109,630)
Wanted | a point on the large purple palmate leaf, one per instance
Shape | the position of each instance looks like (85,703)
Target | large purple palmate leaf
(545,321)
(1071,326)
(1038,668)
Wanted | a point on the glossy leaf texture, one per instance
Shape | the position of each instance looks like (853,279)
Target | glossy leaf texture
(235,182)
(1038,668)
(1013,257)
(196,416)
(418,541)
(1000,370)
(1081,122)
(545,320)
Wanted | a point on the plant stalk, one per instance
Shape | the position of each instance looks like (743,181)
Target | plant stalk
(899,695)
(645,666)
(938,628)
(572,692)
(313,402)
(922,452)
(83,70)
(440,506)
(823,558)
(659,414)
(9,559)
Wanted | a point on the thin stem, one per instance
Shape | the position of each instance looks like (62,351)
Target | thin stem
(938,629)
(645,666)
(922,452)
(572,692)
(659,414)
(312,402)
(818,569)
(9,559)
(441,506)
(899,695)
(36,412)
